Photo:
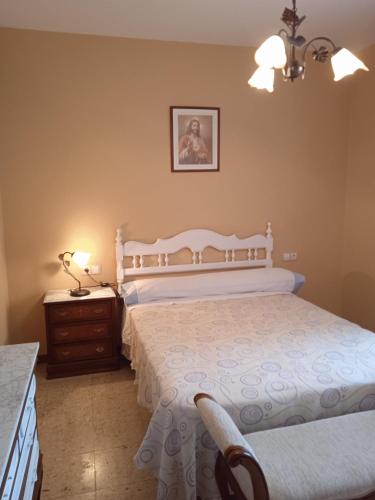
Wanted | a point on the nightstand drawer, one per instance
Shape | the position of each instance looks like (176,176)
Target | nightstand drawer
(79,352)
(80,311)
(74,333)
(83,334)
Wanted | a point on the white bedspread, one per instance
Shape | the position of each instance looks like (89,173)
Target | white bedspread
(270,360)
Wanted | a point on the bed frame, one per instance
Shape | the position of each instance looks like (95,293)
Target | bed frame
(196,240)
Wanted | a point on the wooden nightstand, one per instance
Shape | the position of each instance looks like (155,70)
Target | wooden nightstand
(83,333)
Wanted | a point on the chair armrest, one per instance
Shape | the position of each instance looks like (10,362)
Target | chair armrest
(220,425)
(234,448)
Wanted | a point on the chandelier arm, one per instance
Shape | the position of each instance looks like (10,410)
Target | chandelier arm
(324,38)
(283,31)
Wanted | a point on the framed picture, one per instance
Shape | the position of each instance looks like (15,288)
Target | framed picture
(195,139)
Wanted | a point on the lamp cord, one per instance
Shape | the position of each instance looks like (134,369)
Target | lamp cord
(98,283)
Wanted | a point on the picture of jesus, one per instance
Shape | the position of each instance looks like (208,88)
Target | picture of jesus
(195,139)
(191,146)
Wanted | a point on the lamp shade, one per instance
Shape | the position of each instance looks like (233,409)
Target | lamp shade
(81,258)
(263,78)
(271,54)
(345,63)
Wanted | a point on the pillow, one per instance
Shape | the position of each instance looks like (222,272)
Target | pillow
(211,284)
(299,281)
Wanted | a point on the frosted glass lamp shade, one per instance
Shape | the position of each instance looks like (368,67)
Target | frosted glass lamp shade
(81,258)
(271,54)
(345,63)
(263,78)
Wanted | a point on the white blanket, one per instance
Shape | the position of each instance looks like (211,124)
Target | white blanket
(270,360)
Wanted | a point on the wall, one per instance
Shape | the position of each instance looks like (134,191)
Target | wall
(359,247)
(3,285)
(85,129)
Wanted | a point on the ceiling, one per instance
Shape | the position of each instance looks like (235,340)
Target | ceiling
(349,23)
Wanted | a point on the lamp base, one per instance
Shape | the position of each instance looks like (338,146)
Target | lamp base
(79,292)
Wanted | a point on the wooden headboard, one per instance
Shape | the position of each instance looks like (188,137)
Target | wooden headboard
(196,240)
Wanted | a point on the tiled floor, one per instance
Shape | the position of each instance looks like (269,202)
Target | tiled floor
(90,428)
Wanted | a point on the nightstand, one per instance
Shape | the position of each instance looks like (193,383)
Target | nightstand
(83,333)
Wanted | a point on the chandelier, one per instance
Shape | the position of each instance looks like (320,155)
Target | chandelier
(287,51)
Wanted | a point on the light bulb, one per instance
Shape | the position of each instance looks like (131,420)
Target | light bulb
(81,258)
(263,78)
(271,54)
(345,63)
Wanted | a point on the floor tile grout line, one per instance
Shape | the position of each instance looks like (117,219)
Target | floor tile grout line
(107,384)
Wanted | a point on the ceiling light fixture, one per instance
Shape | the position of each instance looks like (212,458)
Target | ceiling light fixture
(280,52)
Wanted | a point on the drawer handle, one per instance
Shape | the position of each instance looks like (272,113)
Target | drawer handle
(63,334)
(62,313)
(99,349)
(98,330)
(98,311)
(65,353)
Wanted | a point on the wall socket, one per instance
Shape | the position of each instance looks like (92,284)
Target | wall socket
(93,269)
(290,256)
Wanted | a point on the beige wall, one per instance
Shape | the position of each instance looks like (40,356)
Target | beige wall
(85,132)
(3,285)
(359,248)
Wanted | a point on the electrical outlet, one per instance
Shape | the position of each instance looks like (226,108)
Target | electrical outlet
(287,256)
(93,269)
(96,269)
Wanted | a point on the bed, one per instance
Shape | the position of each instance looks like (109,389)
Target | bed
(269,357)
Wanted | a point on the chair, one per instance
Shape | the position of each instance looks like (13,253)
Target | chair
(330,459)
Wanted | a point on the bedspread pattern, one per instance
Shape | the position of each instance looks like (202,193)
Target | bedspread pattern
(269,360)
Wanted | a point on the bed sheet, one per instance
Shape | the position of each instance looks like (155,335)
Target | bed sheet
(270,360)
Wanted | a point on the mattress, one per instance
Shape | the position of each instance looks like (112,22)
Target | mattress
(270,359)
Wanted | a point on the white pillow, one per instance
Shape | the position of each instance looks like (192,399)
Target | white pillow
(208,284)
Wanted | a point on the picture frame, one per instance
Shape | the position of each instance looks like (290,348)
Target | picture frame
(195,139)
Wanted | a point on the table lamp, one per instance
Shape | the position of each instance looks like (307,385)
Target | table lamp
(80,258)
